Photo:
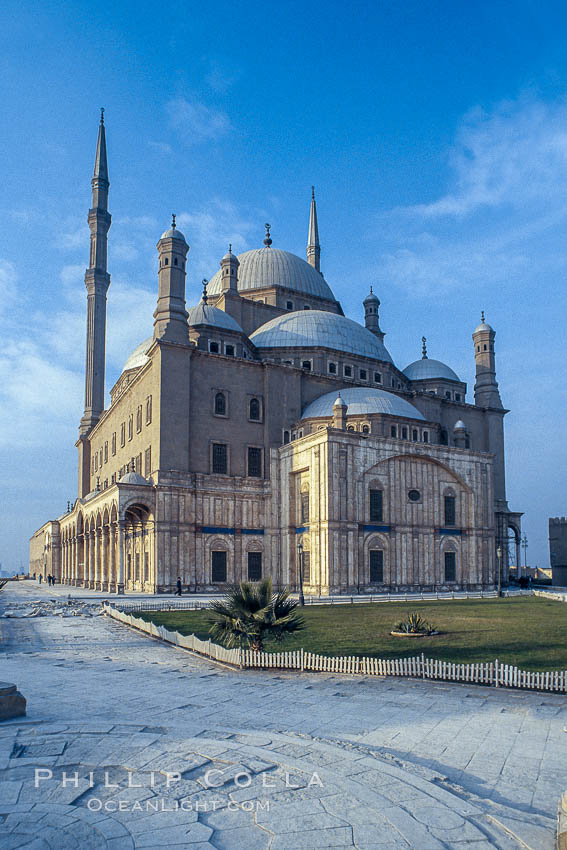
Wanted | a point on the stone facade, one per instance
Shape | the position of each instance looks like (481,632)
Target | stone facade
(558,550)
(220,450)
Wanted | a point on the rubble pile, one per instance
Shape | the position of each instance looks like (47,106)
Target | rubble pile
(52,608)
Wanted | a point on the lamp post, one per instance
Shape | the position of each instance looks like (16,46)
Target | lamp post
(499,556)
(300,556)
(525,547)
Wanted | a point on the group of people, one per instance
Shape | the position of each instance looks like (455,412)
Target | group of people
(49,577)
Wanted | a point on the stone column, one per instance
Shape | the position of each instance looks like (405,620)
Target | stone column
(73,575)
(120,558)
(92,558)
(97,547)
(86,558)
(105,566)
(112,558)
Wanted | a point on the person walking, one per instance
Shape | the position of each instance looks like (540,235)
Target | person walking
(178,591)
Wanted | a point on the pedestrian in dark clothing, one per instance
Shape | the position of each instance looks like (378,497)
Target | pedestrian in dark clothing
(178,591)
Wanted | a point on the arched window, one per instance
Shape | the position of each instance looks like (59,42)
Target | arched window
(450,510)
(365,429)
(254,409)
(220,404)
(376,505)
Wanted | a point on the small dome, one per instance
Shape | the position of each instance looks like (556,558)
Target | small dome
(205,314)
(426,369)
(484,326)
(230,256)
(173,233)
(371,298)
(138,357)
(262,268)
(340,402)
(320,329)
(459,426)
(133,478)
(363,401)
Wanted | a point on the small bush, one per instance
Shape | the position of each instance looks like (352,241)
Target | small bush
(414,624)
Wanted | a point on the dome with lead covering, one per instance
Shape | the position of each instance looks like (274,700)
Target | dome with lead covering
(320,329)
(263,268)
(173,233)
(138,357)
(362,401)
(133,478)
(426,369)
(205,314)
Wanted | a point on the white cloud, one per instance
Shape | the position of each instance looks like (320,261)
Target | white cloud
(501,213)
(162,147)
(195,121)
(8,284)
(219,79)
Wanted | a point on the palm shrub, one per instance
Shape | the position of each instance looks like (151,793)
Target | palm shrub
(250,613)
(415,624)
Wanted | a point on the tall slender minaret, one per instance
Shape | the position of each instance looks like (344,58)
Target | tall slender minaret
(170,315)
(313,247)
(97,281)
(486,392)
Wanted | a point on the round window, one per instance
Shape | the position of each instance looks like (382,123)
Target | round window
(414,495)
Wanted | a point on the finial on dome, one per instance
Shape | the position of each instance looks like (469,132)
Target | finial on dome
(423,348)
(482,316)
(313,192)
(102,114)
(230,247)
(205,296)
(173,225)
(267,240)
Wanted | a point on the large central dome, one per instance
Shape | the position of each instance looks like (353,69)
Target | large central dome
(263,268)
(320,329)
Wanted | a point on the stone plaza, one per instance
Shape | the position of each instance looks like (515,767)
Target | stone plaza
(133,743)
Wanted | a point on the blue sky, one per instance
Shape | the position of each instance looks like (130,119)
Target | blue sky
(435,134)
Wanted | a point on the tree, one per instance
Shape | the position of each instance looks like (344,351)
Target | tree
(249,614)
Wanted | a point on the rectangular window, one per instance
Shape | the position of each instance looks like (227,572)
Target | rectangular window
(106,452)
(306,567)
(123,434)
(404,433)
(148,462)
(393,431)
(306,364)
(377,378)
(304,508)
(289,305)
(363,374)
(450,513)
(139,463)
(220,457)
(114,443)
(229,350)
(113,478)
(95,469)
(348,371)
(255,462)
(450,566)
(148,410)
(332,368)
(376,566)
(214,347)
(254,566)
(414,435)
(376,506)
(130,426)
(218,566)
(139,419)
(426,436)
(100,458)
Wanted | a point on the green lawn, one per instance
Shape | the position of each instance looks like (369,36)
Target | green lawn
(529,632)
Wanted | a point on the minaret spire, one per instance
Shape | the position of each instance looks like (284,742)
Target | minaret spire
(97,281)
(313,246)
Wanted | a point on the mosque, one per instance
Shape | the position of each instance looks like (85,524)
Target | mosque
(263,433)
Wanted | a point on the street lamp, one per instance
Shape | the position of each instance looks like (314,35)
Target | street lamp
(525,547)
(300,555)
(499,556)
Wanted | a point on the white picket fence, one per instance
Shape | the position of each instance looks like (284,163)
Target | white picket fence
(418,667)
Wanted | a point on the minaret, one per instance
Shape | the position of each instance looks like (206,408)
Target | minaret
(313,247)
(486,387)
(97,281)
(340,408)
(229,272)
(371,318)
(170,316)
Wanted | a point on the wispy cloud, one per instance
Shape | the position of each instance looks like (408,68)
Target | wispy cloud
(502,209)
(196,121)
(219,78)
(162,147)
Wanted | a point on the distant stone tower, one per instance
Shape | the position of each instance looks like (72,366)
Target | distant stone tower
(313,246)
(558,550)
(170,316)
(97,281)
(371,315)
(486,392)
